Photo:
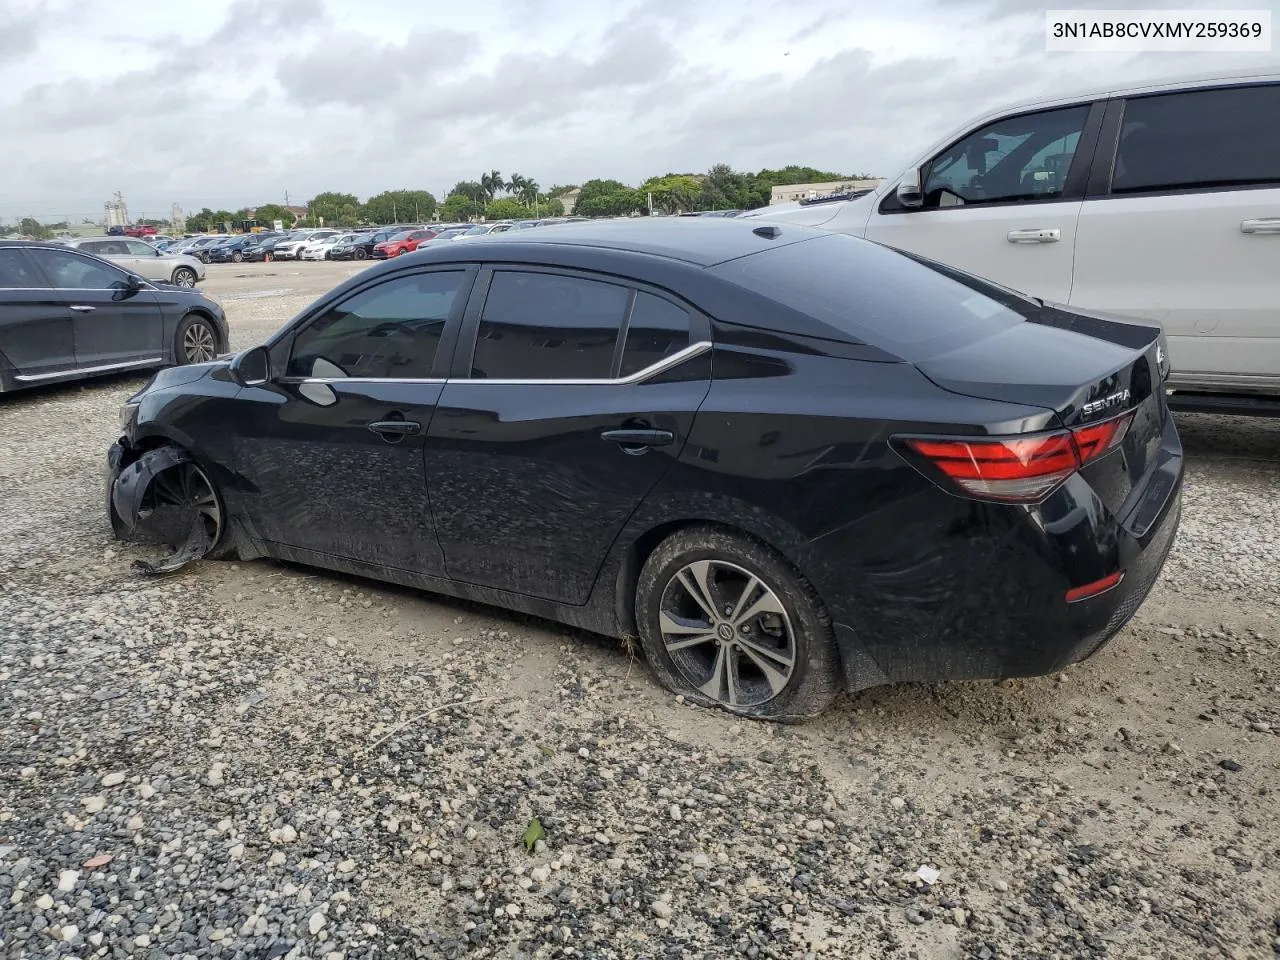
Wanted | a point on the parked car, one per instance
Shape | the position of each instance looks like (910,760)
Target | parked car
(233,249)
(116,231)
(290,249)
(811,462)
(484,229)
(401,243)
(453,233)
(140,230)
(1159,202)
(264,251)
(140,257)
(319,249)
(199,247)
(360,246)
(65,314)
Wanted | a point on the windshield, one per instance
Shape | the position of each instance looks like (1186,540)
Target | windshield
(450,234)
(477,231)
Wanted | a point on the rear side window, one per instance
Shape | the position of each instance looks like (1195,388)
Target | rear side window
(658,328)
(17,272)
(863,292)
(545,326)
(1202,138)
(388,331)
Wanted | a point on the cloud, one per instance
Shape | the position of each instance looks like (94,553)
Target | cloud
(231,105)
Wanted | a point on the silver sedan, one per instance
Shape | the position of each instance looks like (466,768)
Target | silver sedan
(143,259)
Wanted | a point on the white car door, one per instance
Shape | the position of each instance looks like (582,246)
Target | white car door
(1002,201)
(1185,230)
(144,260)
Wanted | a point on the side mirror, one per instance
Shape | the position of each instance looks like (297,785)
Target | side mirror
(252,367)
(909,192)
(135,282)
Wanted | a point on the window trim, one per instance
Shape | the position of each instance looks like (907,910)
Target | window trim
(699,329)
(1073,188)
(1109,142)
(444,350)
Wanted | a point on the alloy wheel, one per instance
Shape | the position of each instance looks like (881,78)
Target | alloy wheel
(186,486)
(727,633)
(198,343)
(185,278)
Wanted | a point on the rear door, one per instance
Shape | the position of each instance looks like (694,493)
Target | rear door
(571,396)
(112,323)
(1002,202)
(35,325)
(1182,227)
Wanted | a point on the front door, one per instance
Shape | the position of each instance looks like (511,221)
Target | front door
(35,325)
(332,451)
(114,324)
(1187,232)
(570,399)
(1001,203)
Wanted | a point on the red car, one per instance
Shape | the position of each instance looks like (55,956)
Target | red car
(140,231)
(404,242)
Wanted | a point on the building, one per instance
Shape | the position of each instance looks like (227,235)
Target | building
(568,198)
(791,192)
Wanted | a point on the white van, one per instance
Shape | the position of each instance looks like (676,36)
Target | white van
(1159,202)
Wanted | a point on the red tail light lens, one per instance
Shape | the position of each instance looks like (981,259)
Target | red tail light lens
(1019,469)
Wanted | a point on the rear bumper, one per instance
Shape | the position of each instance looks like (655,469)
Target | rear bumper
(986,598)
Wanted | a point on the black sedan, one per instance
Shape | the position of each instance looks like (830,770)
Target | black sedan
(236,250)
(789,461)
(66,314)
(360,247)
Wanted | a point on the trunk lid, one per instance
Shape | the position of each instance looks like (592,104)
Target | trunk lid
(1085,368)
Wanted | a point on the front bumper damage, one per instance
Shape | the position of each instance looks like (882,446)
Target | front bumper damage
(135,514)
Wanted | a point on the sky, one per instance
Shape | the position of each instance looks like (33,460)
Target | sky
(233,104)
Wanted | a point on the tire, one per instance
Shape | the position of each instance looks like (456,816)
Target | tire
(237,257)
(195,340)
(204,258)
(184,277)
(790,625)
(360,254)
(400,251)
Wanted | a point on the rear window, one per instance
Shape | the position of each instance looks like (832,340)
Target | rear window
(867,293)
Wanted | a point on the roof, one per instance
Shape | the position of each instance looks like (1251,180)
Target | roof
(701,241)
(1261,72)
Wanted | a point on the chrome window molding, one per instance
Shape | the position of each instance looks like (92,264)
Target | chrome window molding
(31,377)
(663,365)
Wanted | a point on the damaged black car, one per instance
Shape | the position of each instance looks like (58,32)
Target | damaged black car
(790,462)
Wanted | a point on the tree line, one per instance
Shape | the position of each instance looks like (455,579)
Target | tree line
(516,197)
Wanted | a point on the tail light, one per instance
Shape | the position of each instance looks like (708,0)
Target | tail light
(1022,469)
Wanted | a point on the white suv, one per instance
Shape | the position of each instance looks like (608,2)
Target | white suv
(1159,202)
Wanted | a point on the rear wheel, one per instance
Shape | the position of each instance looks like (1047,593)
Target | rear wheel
(184,277)
(195,340)
(360,254)
(727,622)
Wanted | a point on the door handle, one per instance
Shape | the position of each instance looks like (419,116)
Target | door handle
(1035,236)
(639,438)
(393,430)
(82,308)
(1261,225)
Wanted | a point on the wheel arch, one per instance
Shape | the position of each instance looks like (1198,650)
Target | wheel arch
(223,344)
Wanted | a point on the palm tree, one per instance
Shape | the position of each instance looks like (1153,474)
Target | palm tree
(529,192)
(516,184)
(492,182)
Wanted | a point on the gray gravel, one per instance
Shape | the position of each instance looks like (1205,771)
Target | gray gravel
(252,760)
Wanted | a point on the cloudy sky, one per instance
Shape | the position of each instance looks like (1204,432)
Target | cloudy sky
(231,104)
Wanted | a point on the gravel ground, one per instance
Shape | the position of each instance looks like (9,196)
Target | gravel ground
(252,760)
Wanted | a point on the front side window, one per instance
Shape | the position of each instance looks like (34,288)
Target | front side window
(546,326)
(70,271)
(388,331)
(1201,138)
(658,328)
(1023,158)
(17,272)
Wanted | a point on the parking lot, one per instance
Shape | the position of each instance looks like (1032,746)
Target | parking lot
(280,759)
